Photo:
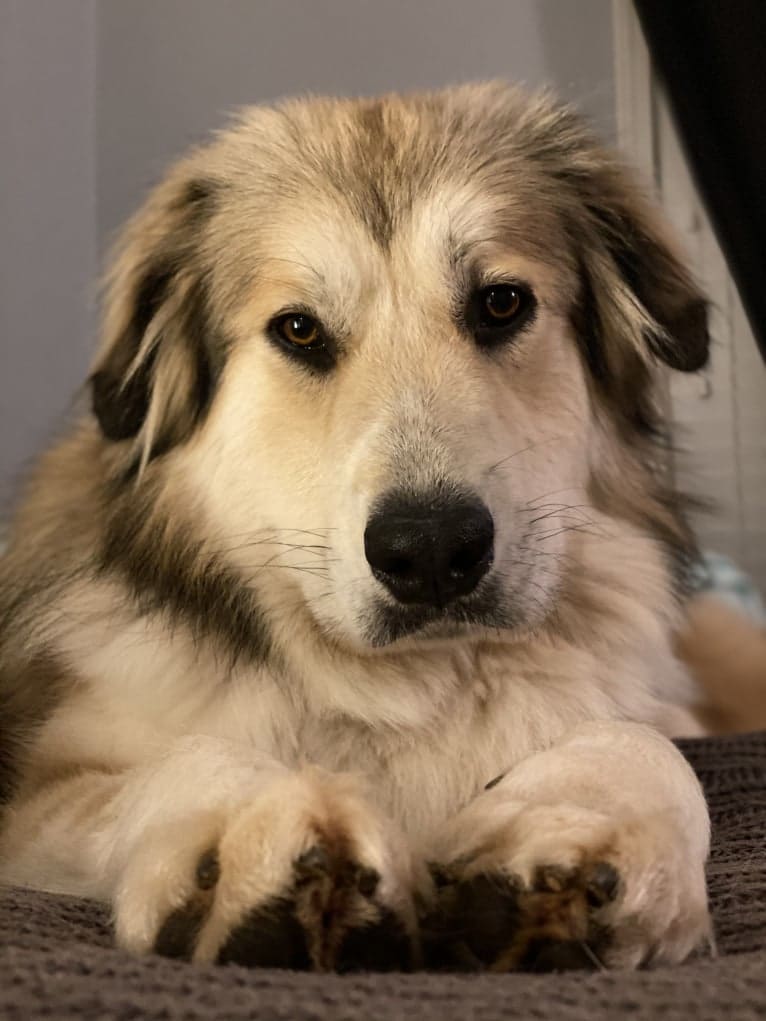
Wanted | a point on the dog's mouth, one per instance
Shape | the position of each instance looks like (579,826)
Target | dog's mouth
(388,622)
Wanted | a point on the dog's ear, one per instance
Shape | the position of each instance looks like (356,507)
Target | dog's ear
(636,289)
(642,278)
(155,374)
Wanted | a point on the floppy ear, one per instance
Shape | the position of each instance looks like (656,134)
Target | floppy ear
(654,287)
(155,374)
(638,301)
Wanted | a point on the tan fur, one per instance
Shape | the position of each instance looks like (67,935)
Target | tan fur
(726,653)
(191,561)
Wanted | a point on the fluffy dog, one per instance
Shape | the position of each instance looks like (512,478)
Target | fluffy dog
(339,634)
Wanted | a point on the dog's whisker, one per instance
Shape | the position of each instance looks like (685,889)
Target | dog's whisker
(554,492)
(278,555)
(523,450)
(562,513)
(558,506)
(313,568)
(319,533)
(313,549)
(547,536)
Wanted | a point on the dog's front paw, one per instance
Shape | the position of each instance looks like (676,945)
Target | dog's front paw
(303,875)
(560,887)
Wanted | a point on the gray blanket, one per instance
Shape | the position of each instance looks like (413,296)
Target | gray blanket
(57,958)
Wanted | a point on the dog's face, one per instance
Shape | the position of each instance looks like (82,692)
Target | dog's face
(420,406)
(394,353)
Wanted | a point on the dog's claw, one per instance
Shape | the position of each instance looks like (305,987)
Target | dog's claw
(603,884)
(208,870)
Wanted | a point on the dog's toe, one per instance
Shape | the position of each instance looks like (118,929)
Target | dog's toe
(178,934)
(492,921)
(329,917)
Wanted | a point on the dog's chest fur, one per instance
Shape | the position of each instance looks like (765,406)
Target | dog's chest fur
(427,728)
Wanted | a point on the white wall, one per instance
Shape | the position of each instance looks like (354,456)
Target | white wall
(171,69)
(48,230)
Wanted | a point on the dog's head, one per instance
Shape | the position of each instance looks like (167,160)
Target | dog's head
(397,354)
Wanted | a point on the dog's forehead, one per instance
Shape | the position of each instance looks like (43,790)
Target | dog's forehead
(323,256)
(325,241)
(382,159)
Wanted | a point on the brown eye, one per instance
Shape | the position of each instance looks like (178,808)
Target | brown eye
(304,340)
(502,303)
(298,329)
(495,314)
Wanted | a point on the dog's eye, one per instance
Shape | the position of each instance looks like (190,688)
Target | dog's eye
(496,312)
(304,339)
(501,304)
(298,329)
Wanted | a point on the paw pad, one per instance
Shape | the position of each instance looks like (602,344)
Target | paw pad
(491,921)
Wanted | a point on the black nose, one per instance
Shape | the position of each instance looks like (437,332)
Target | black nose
(429,550)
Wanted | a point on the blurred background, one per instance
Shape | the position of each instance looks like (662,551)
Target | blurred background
(98,96)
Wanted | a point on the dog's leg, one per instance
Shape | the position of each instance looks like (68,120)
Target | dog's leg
(215,854)
(591,853)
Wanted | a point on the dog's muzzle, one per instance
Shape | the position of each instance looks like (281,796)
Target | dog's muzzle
(429,551)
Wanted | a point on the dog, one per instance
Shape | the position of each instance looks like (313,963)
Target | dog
(339,631)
